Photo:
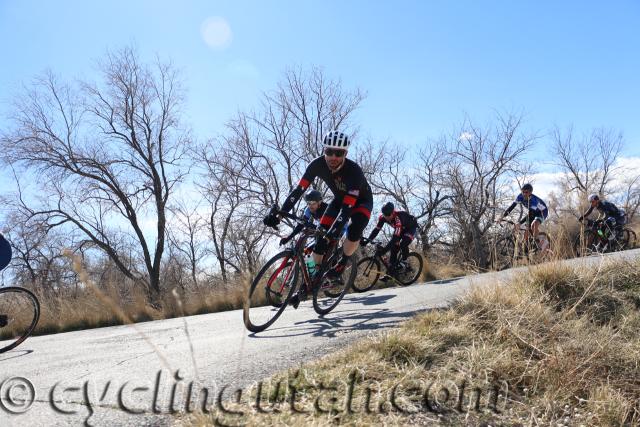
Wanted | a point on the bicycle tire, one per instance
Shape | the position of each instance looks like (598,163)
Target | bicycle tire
(584,244)
(290,283)
(503,253)
(371,269)
(418,271)
(9,309)
(336,297)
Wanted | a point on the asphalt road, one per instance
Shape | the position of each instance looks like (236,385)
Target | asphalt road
(138,374)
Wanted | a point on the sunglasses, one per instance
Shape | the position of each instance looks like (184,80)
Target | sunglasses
(334,152)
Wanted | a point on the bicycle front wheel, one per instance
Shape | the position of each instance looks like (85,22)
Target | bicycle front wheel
(368,274)
(270,291)
(411,270)
(327,295)
(585,244)
(503,253)
(19,315)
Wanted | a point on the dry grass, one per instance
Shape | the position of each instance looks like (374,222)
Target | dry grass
(559,346)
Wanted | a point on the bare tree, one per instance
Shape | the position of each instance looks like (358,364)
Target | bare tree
(413,186)
(261,157)
(107,155)
(479,161)
(589,165)
(187,237)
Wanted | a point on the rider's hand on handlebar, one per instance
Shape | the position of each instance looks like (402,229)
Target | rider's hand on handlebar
(272,220)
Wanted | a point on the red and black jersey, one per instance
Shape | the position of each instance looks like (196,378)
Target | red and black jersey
(401,222)
(347,184)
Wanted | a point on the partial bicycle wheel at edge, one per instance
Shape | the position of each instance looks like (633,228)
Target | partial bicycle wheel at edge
(326,300)
(19,315)
(412,269)
(278,276)
(369,271)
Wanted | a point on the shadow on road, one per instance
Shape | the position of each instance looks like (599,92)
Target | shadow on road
(13,354)
(342,322)
(367,299)
(444,281)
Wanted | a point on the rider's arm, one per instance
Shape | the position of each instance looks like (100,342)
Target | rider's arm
(375,231)
(509,209)
(586,214)
(305,181)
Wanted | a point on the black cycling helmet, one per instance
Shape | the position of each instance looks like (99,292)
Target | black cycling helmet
(313,196)
(527,187)
(387,209)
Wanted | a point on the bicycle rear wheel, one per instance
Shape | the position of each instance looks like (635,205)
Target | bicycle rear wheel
(270,291)
(19,315)
(327,295)
(411,270)
(368,274)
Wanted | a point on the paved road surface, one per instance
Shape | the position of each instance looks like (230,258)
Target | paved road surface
(84,374)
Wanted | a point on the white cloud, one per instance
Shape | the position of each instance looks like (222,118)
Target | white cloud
(465,136)
(216,32)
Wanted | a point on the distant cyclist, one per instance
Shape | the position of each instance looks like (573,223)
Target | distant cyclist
(404,226)
(537,210)
(314,211)
(353,200)
(613,216)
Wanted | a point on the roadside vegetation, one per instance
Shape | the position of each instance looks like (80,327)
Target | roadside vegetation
(558,346)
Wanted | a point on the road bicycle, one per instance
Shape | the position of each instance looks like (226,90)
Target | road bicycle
(19,315)
(597,237)
(510,246)
(283,274)
(370,269)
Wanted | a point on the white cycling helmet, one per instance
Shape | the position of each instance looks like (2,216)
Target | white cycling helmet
(336,139)
(593,197)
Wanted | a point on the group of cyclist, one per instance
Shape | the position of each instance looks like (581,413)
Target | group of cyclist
(353,203)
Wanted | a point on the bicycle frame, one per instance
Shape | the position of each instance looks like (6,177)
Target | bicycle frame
(299,249)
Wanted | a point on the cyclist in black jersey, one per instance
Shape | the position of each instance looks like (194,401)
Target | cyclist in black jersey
(353,200)
(613,216)
(404,226)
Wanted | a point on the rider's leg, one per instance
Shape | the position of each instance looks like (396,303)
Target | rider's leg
(535,227)
(326,221)
(359,219)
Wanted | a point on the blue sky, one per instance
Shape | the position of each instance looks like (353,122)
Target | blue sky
(424,64)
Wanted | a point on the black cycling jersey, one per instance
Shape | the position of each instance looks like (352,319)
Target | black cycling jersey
(348,185)
(402,222)
(607,209)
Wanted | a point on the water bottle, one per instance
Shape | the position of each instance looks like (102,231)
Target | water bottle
(310,263)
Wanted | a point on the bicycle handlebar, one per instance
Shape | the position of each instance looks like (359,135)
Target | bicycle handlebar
(303,221)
